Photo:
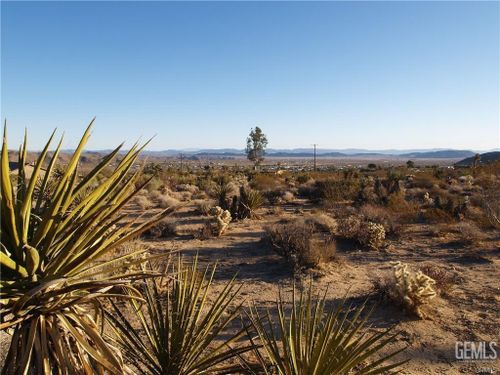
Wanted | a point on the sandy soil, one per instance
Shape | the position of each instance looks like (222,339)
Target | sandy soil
(470,311)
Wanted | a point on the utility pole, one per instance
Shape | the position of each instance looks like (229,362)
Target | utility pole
(315,144)
(181,160)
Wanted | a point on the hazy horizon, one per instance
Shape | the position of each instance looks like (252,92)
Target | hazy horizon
(364,75)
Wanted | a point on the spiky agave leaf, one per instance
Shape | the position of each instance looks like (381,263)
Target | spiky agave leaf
(53,240)
(309,339)
(180,326)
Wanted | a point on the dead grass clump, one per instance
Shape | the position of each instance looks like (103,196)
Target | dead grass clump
(301,245)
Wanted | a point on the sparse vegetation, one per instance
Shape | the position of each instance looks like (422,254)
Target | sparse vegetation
(320,222)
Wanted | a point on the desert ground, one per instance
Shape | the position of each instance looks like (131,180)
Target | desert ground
(466,309)
(436,219)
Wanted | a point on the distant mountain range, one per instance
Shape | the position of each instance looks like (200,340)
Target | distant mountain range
(284,153)
(486,158)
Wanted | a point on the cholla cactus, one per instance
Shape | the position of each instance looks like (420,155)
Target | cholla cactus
(222,220)
(413,289)
(372,235)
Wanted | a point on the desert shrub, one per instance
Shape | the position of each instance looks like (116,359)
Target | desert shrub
(155,184)
(445,280)
(265,182)
(164,228)
(307,190)
(302,178)
(348,227)
(436,216)
(199,195)
(331,191)
(204,207)
(287,196)
(383,216)
(322,223)
(143,202)
(366,193)
(469,233)
(300,244)
(165,201)
(479,215)
(490,200)
(273,196)
(193,189)
(205,232)
(412,290)
(371,235)
(424,182)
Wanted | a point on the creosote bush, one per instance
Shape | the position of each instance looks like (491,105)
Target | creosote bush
(301,244)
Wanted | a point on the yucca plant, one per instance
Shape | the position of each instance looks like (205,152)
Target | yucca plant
(223,188)
(249,201)
(309,339)
(177,329)
(56,261)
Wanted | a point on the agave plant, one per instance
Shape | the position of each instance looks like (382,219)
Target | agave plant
(56,261)
(311,340)
(180,326)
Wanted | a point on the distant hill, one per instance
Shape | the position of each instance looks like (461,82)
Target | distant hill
(486,158)
(441,154)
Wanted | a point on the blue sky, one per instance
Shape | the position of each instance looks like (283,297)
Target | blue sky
(201,74)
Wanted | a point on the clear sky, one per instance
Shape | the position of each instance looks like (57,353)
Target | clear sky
(200,74)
